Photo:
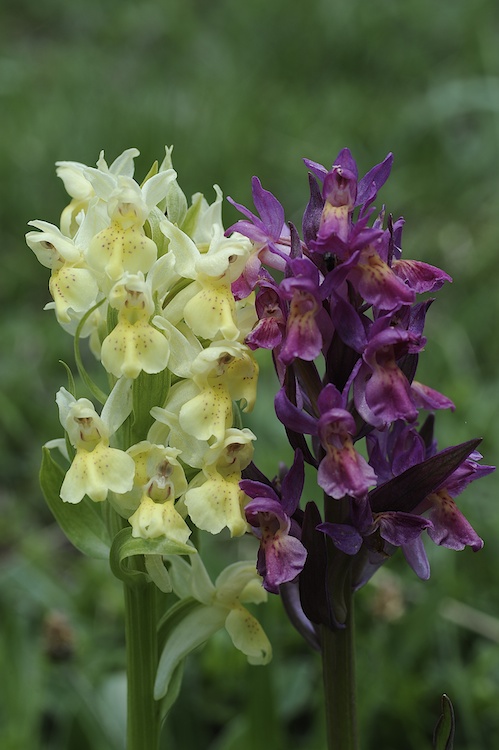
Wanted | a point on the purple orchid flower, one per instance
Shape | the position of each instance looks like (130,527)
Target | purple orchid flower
(281,555)
(309,327)
(392,528)
(269,332)
(269,231)
(382,392)
(341,193)
(342,471)
(450,528)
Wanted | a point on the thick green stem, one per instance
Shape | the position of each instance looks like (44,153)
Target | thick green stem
(338,663)
(143,724)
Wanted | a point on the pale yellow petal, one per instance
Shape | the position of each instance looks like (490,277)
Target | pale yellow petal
(248,635)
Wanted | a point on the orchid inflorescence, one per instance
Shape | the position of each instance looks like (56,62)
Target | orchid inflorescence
(147,279)
(173,307)
(345,331)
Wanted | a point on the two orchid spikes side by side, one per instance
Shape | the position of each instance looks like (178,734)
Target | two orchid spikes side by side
(173,307)
(345,331)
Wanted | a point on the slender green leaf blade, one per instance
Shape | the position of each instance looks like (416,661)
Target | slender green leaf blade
(443,736)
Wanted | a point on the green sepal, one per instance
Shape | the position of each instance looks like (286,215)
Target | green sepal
(191,218)
(153,171)
(94,389)
(152,226)
(187,625)
(71,380)
(158,573)
(82,523)
(175,203)
(125,546)
(443,735)
(147,391)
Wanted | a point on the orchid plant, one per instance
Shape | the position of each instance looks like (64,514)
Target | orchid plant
(173,307)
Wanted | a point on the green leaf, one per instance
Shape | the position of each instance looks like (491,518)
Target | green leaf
(125,546)
(82,523)
(443,735)
(186,626)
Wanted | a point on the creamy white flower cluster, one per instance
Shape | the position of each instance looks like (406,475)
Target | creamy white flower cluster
(148,279)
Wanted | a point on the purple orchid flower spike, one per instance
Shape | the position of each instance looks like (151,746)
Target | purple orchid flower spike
(281,556)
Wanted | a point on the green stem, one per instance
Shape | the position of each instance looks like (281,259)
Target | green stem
(143,723)
(338,663)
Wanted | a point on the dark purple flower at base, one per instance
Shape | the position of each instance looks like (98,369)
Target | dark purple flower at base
(394,528)
(450,528)
(281,555)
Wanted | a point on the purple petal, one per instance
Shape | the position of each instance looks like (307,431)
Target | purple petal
(346,538)
(426,398)
(258,490)
(373,181)
(292,484)
(401,528)
(422,277)
(284,559)
(317,169)
(345,472)
(291,416)
(269,208)
(451,528)
(415,554)
(269,507)
(330,398)
(345,160)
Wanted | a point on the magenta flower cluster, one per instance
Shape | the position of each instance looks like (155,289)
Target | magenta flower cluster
(346,329)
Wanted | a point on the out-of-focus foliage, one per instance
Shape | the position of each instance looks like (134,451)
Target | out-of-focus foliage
(244,88)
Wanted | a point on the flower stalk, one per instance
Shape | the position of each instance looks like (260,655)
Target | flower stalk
(338,670)
(143,719)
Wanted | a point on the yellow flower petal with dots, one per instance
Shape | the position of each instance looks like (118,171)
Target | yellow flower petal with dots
(208,414)
(211,313)
(131,348)
(216,502)
(72,289)
(95,472)
(248,636)
(116,250)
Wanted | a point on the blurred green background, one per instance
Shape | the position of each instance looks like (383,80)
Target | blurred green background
(242,89)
